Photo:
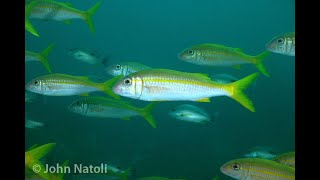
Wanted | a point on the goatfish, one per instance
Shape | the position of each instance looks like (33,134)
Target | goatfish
(125,68)
(190,113)
(109,108)
(171,85)
(283,44)
(33,156)
(220,55)
(256,169)
(41,57)
(286,158)
(57,11)
(87,55)
(68,85)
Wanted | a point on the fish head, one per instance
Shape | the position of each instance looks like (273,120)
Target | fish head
(79,106)
(115,70)
(234,168)
(192,55)
(277,44)
(181,114)
(38,85)
(129,86)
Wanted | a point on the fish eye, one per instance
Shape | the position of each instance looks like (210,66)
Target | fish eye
(36,82)
(280,40)
(191,52)
(235,166)
(127,81)
(118,66)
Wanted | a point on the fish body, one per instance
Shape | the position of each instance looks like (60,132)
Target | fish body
(283,44)
(31,124)
(220,55)
(125,68)
(170,85)
(257,169)
(264,154)
(109,108)
(68,85)
(286,158)
(190,113)
(87,55)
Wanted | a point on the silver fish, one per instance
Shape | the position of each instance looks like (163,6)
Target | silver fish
(190,113)
(284,44)
(87,55)
(125,68)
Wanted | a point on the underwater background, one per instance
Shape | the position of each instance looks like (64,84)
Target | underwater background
(153,33)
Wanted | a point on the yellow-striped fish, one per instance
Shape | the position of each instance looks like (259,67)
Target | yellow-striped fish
(68,85)
(257,169)
(219,55)
(284,44)
(286,158)
(58,11)
(40,57)
(170,85)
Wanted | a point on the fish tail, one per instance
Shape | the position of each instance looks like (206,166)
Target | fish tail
(37,153)
(61,175)
(29,27)
(89,13)
(259,62)
(147,115)
(107,86)
(44,57)
(237,91)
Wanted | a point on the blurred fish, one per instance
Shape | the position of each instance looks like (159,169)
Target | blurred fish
(170,85)
(157,178)
(284,44)
(68,85)
(33,156)
(256,168)
(190,113)
(286,158)
(125,68)
(31,124)
(87,55)
(219,55)
(58,11)
(29,96)
(224,78)
(109,108)
(40,57)
(261,152)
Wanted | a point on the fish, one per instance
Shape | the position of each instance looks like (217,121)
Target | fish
(95,106)
(171,85)
(125,68)
(190,113)
(257,169)
(263,152)
(57,11)
(224,78)
(219,55)
(156,178)
(33,156)
(283,44)
(87,55)
(286,158)
(41,57)
(31,124)
(68,85)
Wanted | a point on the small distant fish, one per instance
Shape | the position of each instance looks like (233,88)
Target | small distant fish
(224,78)
(31,124)
(68,85)
(190,113)
(116,171)
(109,108)
(58,11)
(29,96)
(261,152)
(219,55)
(40,57)
(286,158)
(171,85)
(157,178)
(256,168)
(87,55)
(125,68)
(284,44)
